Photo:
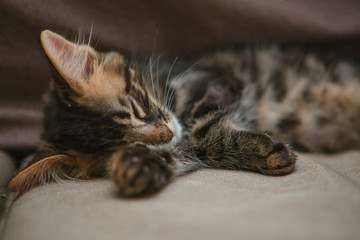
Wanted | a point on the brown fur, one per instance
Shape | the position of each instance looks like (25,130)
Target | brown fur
(43,171)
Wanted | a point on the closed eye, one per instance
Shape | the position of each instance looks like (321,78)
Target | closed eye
(138,111)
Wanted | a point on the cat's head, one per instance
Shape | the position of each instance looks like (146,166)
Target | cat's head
(102,99)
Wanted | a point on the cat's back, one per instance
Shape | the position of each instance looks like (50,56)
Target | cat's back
(302,97)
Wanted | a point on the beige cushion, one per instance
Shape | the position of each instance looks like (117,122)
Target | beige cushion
(321,200)
(7,170)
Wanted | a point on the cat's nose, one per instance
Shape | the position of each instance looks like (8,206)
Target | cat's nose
(169,135)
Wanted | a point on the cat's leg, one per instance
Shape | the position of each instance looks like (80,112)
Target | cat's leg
(48,166)
(54,168)
(137,169)
(223,143)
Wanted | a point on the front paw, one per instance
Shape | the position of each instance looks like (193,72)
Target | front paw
(273,157)
(138,171)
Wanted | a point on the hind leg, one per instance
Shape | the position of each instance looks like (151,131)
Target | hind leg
(330,122)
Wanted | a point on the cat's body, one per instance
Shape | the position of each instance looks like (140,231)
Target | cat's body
(144,125)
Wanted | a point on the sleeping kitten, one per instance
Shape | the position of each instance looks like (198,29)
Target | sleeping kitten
(146,125)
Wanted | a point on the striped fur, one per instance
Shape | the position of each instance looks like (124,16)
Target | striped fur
(145,124)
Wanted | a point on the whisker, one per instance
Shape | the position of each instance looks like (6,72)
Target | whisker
(189,68)
(151,76)
(88,47)
(173,93)
(175,81)
(157,71)
(167,81)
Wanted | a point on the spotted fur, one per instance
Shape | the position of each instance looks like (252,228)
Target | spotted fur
(145,124)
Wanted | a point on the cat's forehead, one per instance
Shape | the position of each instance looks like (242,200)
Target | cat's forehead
(107,84)
(112,61)
(113,83)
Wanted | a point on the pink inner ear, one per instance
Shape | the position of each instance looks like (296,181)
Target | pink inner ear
(60,44)
(68,49)
(74,62)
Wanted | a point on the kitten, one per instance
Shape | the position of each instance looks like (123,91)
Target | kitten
(145,125)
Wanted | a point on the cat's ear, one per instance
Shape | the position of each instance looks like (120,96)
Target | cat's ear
(75,63)
(46,170)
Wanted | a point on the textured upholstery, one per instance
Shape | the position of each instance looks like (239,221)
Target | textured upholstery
(319,201)
(7,170)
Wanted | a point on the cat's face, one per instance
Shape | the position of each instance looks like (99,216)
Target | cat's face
(105,84)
